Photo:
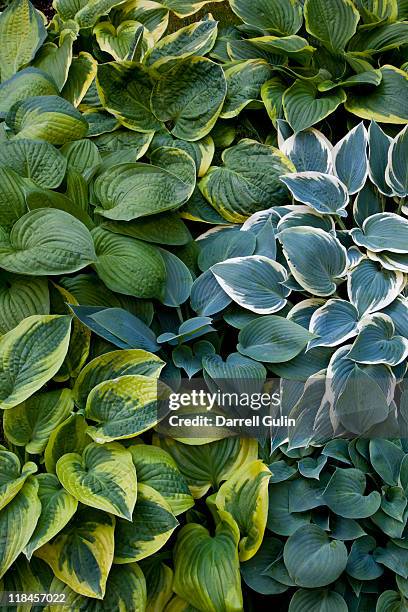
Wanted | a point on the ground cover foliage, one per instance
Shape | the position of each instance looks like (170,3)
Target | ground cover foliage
(218,202)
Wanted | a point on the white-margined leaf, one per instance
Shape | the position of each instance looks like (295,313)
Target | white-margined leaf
(325,193)
(383,232)
(371,288)
(334,323)
(309,151)
(378,343)
(350,159)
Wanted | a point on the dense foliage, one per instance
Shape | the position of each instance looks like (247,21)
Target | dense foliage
(167,211)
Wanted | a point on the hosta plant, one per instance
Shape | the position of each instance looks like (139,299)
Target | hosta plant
(169,215)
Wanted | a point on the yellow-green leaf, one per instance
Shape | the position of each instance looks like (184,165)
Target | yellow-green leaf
(69,437)
(12,478)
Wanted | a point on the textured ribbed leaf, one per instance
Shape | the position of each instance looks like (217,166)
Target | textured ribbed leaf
(207,297)
(281,16)
(350,159)
(36,160)
(12,476)
(304,105)
(20,297)
(324,193)
(244,82)
(371,288)
(80,76)
(309,151)
(38,82)
(344,494)
(333,22)
(378,343)
(383,232)
(55,60)
(225,245)
(69,437)
(333,323)
(30,355)
(316,601)
(121,42)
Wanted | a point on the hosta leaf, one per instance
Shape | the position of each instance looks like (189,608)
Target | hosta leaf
(304,105)
(281,16)
(82,156)
(207,564)
(38,82)
(360,564)
(113,365)
(373,11)
(245,497)
(190,359)
(159,583)
(207,465)
(30,424)
(12,198)
(315,257)
(396,172)
(17,523)
(30,355)
(57,509)
(20,297)
(39,161)
(124,89)
(317,600)
(350,159)
(371,288)
(272,96)
(184,8)
(380,39)
(189,330)
(126,589)
(391,600)
(257,571)
(309,151)
(22,32)
(151,526)
(157,469)
(122,189)
(312,559)
(121,42)
(12,476)
(82,72)
(133,398)
(225,245)
(253,282)
(82,553)
(272,339)
(333,323)
(333,22)
(386,103)
(191,95)
(127,265)
(366,204)
(36,245)
(323,192)
(178,280)
(69,437)
(383,232)
(89,12)
(48,118)
(206,296)
(55,60)
(378,343)
(247,182)
(344,494)
(244,81)
(379,146)
(103,477)
(386,459)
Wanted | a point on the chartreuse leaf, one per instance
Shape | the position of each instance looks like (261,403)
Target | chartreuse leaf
(316,600)
(374,11)
(315,257)
(207,567)
(38,82)
(151,526)
(333,323)
(22,32)
(121,42)
(20,297)
(36,246)
(12,477)
(12,198)
(344,494)
(159,583)
(81,554)
(38,161)
(55,60)
(323,192)
(378,343)
(386,103)
(247,182)
(312,559)
(333,22)
(272,339)
(17,523)
(30,424)
(245,496)
(254,282)
(309,151)
(113,365)
(30,355)
(82,72)
(281,16)
(190,95)
(127,265)
(124,89)
(396,172)
(69,437)
(122,190)
(57,509)
(244,82)
(304,105)
(382,38)
(49,118)
(86,14)
(103,477)
(124,407)
(370,287)
(383,232)
(156,468)
(207,465)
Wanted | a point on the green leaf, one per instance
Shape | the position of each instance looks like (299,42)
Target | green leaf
(21,297)
(255,572)
(378,343)
(386,459)
(333,22)
(178,280)
(89,12)
(393,557)
(396,172)
(383,231)
(151,526)
(387,103)
(17,523)
(30,424)
(247,182)
(312,559)
(37,246)
(12,198)
(376,11)
(317,600)
(344,494)
(127,265)
(30,355)
(38,82)
(48,118)
(57,509)
(272,339)
(316,258)
(133,398)
(380,39)
(82,553)
(12,476)
(121,42)
(281,16)
(207,567)
(244,82)
(38,161)
(81,73)
(103,477)
(55,60)
(69,437)
(360,564)
(304,105)
(22,32)
(190,95)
